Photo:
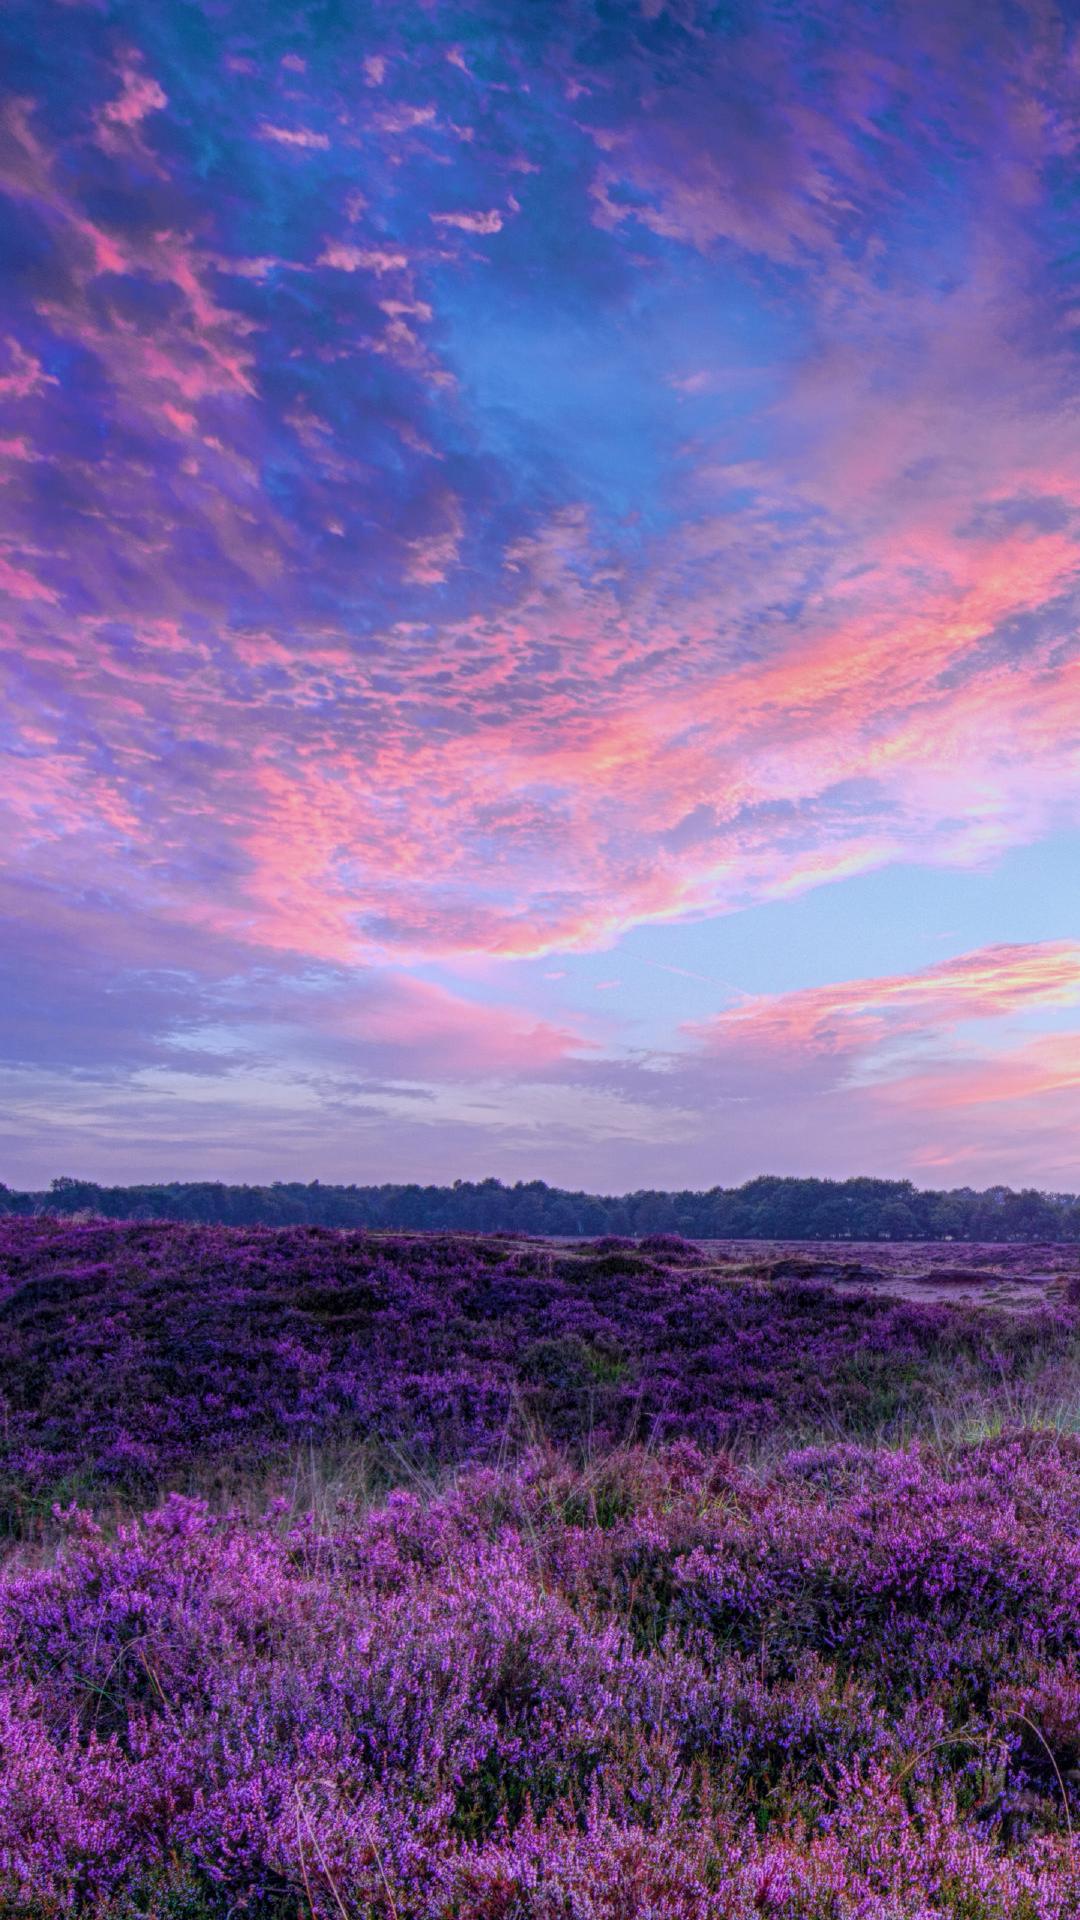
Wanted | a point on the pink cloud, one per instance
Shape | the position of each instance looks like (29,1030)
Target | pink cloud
(25,376)
(490,222)
(432,556)
(436,1034)
(301,137)
(1032,1073)
(943,1068)
(404,119)
(585,845)
(350,259)
(852,1020)
(21,584)
(199,353)
(177,417)
(139,97)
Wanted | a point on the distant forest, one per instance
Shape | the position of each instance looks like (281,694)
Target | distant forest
(764,1209)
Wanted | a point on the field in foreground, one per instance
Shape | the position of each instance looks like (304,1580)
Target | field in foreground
(360,1576)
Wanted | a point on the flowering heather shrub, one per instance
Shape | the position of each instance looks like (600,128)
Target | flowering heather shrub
(673,1245)
(672,1679)
(129,1352)
(790,1692)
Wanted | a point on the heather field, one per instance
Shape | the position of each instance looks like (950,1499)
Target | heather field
(355,1576)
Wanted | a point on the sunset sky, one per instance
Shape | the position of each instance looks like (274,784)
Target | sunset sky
(538,590)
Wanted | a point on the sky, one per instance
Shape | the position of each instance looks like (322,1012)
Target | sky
(538,591)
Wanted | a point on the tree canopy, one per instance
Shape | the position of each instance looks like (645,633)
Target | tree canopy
(768,1208)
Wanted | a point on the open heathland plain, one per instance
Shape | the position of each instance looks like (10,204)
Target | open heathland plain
(409,1578)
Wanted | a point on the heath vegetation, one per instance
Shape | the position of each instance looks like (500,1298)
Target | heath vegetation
(355,1575)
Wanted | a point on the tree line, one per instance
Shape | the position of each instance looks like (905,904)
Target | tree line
(768,1208)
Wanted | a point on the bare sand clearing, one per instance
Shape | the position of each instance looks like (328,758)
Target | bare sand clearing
(1017,1277)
